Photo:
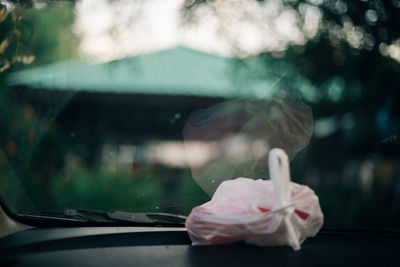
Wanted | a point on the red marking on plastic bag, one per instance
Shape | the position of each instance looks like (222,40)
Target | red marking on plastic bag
(263,209)
(301,214)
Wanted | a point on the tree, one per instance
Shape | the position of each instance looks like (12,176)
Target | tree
(29,35)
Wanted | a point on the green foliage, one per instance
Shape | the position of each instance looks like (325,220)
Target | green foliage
(110,191)
(35,34)
(29,35)
(189,194)
(49,32)
(105,191)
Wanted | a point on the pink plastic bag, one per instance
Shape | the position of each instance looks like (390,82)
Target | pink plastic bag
(272,212)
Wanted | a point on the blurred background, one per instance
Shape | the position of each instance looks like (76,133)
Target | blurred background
(94,97)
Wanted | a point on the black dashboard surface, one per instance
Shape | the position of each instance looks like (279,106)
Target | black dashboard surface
(119,246)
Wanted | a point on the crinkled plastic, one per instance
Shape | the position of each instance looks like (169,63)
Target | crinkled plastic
(272,212)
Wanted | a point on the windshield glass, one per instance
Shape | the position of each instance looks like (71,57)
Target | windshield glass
(147,106)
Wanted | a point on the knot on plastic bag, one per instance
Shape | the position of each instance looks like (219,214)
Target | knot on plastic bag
(286,210)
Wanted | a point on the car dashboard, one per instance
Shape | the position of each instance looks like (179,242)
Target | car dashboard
(160,246)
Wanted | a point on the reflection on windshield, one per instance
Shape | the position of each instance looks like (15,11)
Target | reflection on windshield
(241,133)
(146,106)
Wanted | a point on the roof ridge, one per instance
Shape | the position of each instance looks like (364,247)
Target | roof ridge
(169,50)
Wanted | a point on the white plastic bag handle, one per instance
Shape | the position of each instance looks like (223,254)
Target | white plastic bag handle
(280,176)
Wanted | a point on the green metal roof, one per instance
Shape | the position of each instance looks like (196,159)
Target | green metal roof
(176,71)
